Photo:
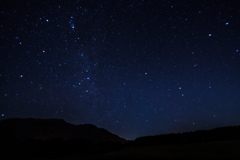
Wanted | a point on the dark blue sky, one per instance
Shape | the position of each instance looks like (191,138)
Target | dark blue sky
(135,68)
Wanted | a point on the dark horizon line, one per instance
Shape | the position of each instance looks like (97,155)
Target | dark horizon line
(170,133)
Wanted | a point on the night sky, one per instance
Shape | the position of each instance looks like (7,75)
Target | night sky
(133,67)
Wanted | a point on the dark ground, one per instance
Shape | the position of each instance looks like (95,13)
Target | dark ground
(27,141)
(207,150)
(202,150)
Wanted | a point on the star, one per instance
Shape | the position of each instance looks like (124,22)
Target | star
(146,63)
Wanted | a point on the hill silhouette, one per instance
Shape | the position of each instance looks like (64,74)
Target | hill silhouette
(218,134)
(56,139)
(47,129)
(53,138)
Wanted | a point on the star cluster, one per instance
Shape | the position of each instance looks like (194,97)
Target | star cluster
(135,68)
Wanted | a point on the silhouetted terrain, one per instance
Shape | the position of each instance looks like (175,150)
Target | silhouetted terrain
(53,138)
(47,129)
(57,139)
(217,134)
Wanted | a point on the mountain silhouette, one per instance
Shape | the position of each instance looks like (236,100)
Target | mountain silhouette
(20,130)
(228,133)
(56,139)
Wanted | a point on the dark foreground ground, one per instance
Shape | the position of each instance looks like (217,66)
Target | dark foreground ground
(57,140)
(207,150)
(65,151)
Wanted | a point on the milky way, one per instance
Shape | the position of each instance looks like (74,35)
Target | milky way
(136,68)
